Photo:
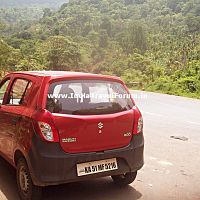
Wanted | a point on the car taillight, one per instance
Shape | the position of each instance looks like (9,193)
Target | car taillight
(138,122)
(140,125)
(44,126)
(47,132)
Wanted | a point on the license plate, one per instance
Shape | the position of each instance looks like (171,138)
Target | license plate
(95,167)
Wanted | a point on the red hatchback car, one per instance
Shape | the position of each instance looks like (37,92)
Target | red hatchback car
(59,127)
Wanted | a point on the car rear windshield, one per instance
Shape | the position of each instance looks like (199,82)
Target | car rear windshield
(88,97)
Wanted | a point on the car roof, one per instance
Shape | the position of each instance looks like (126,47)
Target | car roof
(67,74)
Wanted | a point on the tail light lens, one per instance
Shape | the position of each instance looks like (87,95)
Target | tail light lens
(138,121)
(46,131)
(45,127)
(140,125)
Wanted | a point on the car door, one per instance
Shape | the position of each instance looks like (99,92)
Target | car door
(3,89)
(12,113)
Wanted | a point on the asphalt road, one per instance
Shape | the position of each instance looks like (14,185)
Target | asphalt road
(172,166)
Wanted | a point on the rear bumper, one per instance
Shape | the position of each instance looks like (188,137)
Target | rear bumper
(49,165)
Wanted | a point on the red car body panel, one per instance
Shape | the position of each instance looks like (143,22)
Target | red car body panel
(18,119)
(86,132)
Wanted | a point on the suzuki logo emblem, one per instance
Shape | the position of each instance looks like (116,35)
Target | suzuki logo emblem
(100,125)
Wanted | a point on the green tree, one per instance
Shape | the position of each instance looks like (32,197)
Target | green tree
(5,51)
(62,53)
(103,38)
(134,37)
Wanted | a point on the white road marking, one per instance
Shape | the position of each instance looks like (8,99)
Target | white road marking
(152,158)
(196,123)
(158,115)
(165,163)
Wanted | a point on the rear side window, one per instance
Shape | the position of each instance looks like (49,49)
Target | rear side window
(3,90)
(88,97)
(19,91)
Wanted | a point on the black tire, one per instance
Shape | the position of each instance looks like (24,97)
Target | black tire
(124,179)
(27,190)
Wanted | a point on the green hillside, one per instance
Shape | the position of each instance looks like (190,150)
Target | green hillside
(153,45)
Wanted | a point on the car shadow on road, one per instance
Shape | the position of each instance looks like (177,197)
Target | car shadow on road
(8,186)
(99,189)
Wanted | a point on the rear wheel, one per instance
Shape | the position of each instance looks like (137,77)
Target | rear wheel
(124,179)
(27,190)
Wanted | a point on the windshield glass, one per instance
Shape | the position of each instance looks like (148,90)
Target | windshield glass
(87,97)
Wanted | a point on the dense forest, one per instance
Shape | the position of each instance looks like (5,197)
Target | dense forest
(151,44)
